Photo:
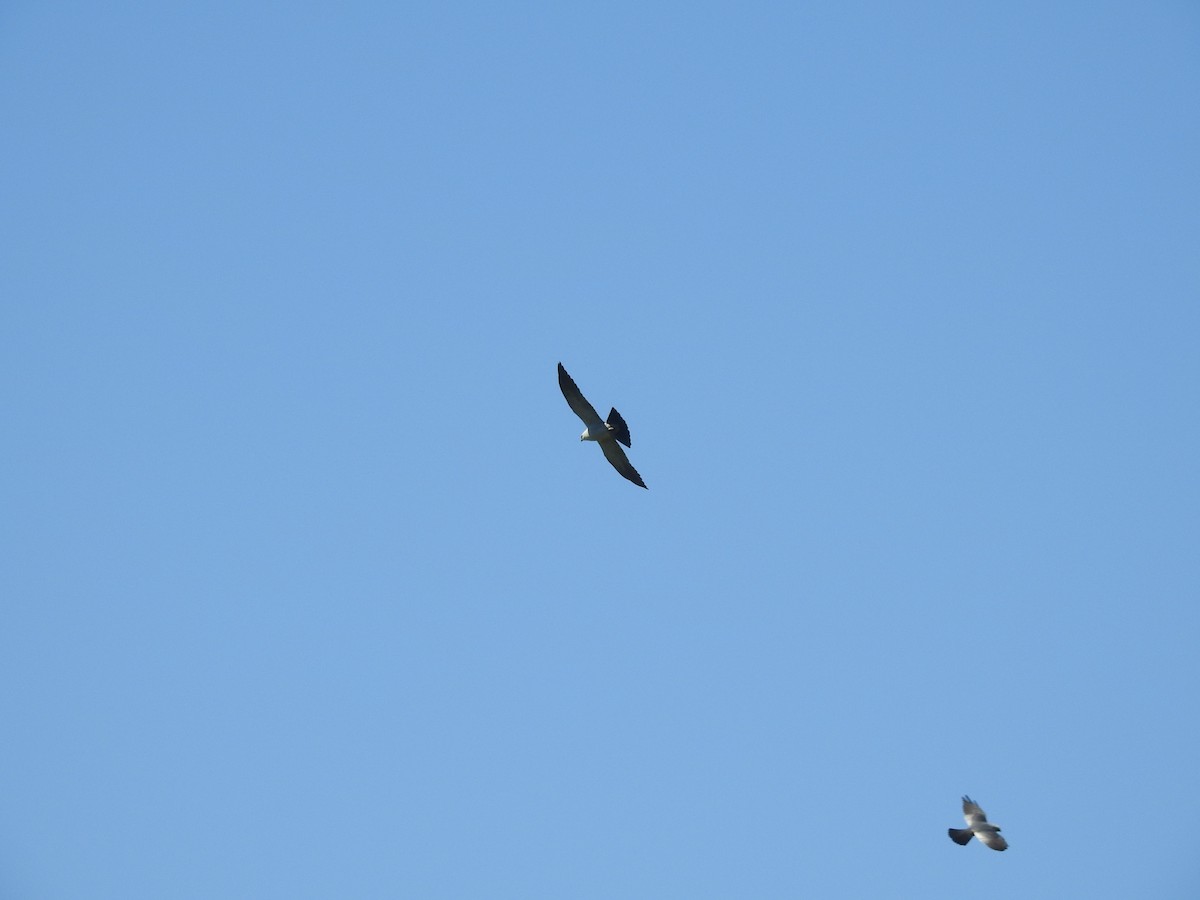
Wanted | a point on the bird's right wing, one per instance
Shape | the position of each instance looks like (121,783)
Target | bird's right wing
(578,402)
(972,813)
(615,455)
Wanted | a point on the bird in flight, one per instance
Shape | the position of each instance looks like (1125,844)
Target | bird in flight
(606,434)
(977,826)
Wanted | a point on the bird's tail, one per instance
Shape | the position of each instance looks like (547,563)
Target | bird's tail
(961,835)
(620,429)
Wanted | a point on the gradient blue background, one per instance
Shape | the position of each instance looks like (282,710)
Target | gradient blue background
(310,590)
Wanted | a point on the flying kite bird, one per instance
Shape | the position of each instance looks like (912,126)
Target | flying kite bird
(977,826)
(606,434)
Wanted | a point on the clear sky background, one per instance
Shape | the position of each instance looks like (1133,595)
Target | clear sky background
(310,589)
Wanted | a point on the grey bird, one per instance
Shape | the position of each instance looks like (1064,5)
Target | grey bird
(606,434)
(977,826)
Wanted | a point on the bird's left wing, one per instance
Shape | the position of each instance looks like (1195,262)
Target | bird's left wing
(993,840)
(578,402)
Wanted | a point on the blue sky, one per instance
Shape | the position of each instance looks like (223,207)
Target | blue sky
(310,589)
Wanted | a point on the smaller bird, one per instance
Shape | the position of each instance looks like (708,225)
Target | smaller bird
(606,434)
(977,826)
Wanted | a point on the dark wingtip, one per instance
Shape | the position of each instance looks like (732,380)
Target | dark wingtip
(564,380)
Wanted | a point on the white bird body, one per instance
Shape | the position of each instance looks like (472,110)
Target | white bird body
(605,435)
